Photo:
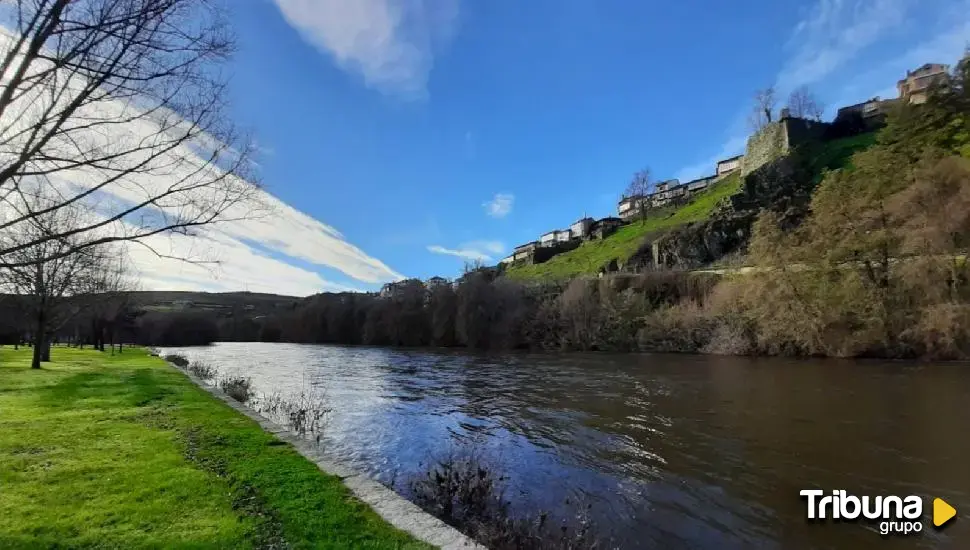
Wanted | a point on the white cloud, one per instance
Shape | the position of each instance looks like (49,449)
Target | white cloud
(239,243)
(390,43)
(945,45)
(239,267)
(493,247)
(733,146)
(500,205)
(474,250)
(832,34)
(461,253)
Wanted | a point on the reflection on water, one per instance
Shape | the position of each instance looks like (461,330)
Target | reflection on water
(671,451)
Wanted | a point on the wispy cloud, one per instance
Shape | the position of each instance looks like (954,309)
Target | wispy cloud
(731,147)
(475,250)
(500,205)
(263,243)
(238,267)
(832,34)
(945,43)
(390,43)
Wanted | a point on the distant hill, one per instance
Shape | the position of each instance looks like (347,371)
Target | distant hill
(249,302)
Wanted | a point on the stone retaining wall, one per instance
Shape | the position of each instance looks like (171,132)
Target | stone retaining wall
(394,508)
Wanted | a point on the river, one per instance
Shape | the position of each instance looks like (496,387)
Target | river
(669,451)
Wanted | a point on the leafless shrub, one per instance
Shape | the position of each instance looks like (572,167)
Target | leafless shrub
(686,327)
(943,331)
(237,387)
(729,338)
(306,413)
(467,494)
(202,370)
(177,360)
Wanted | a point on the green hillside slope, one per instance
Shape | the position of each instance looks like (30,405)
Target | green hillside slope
(592,255)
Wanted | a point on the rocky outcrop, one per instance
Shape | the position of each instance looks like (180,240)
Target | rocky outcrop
(783,185)
(695,244)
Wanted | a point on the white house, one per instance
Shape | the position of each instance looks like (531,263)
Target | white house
(726,166)
(580,228)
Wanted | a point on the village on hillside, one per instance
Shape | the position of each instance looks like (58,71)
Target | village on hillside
(791,130)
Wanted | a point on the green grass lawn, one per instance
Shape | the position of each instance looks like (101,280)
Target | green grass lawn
(836,154)
(592,255)
(126,452)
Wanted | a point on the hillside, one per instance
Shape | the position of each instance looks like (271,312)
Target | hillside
(166,300)
(593,255)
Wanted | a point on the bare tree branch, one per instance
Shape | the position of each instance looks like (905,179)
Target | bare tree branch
(638,190)
(763,109)
(117,106)
(802,103)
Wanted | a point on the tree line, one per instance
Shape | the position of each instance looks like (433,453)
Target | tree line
(113,134)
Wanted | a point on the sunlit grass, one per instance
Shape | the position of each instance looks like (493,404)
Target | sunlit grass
(592,255)
(125,452)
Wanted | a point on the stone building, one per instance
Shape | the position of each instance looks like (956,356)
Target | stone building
(700,184)
(628,207)
(870,113)
(727,166)
(554,237)
(605,227)
(525,251)
(916,86)
(580,228)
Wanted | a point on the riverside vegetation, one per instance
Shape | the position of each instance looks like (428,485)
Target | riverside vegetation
(123,451)
(871,263)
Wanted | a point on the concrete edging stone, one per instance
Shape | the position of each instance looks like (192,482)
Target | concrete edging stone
(394,508)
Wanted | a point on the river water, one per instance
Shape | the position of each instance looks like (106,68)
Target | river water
(668,451)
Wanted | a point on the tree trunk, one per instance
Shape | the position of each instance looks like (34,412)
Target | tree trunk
(45,355)
(38,348)
(38,355)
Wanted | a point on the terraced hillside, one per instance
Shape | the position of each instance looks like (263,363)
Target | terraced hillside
(592,255)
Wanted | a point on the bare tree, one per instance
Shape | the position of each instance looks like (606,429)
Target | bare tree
(104,299)
(44,275)
(802,103)
(762,112)
(118,106)
(637,192)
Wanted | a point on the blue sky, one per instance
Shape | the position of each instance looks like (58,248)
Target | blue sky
(421,133)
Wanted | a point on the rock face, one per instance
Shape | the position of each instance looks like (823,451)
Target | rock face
(694,245)
(783,185)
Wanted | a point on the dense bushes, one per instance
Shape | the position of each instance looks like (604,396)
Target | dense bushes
(878,268)
(485,313)
(177,329)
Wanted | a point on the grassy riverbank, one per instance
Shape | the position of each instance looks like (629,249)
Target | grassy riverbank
(126,452)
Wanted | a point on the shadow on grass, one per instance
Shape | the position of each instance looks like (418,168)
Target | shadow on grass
(125,388)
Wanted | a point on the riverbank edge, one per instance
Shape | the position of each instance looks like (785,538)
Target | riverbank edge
(392,507)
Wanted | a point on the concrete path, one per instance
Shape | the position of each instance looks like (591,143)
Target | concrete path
(395,509)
